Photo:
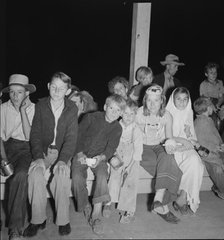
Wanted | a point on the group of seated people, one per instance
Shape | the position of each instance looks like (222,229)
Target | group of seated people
(52,143)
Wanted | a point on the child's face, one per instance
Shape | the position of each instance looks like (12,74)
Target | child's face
(153,103)
(58,89)
(211,74)
(120,89)
(181,101)
(128,116)
(112,111)
(17,94)
(147,79)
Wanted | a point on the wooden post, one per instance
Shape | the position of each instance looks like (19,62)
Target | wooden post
(140,38)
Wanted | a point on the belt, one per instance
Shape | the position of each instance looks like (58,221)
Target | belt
(17,140)
(52,147)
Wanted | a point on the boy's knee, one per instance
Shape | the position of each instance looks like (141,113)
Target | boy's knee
(36,174)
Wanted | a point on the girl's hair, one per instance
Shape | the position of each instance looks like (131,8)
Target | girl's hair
(114,81)
(181,90)
(65,78)
(162,109)
(89,105)
(119,100)
(133,105)
(201,105)
(142,72)
(211,65)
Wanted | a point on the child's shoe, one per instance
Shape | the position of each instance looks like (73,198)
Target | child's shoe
(217,192)
(127,217)
(107,211)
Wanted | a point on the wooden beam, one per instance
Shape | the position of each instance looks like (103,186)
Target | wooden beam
(140,38)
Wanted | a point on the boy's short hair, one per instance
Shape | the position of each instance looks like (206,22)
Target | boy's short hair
(115,80)
(142,72)
(65,78)
(119,100)
(211,65)
(132,105)
(201,105)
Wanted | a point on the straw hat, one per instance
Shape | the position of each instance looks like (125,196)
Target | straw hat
(171,58)
(21,80)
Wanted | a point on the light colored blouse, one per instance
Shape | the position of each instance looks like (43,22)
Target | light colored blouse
(153,128)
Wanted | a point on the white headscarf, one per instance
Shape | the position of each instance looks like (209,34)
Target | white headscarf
(181,118)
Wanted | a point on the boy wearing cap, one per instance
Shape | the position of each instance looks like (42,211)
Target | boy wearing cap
(16,118)
(53,142)
(166,79)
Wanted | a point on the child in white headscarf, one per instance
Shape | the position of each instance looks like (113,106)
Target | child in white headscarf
(188,160)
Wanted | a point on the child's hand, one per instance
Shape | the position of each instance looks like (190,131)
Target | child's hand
(202,153)
(81,158)
(116,163)
(98,158)
(170,149)
(25,103)
(170,146)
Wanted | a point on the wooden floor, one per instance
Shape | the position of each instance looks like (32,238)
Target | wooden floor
(207,223)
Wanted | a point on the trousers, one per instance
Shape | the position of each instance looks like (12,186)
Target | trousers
(59,187)
(79,187)
(18,153)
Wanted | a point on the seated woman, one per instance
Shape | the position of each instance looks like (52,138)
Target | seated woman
(188,160)
(156,125)
(84,101)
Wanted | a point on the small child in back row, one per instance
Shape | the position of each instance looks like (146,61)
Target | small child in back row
(144,77)
(125,166)
(212,87)
(208,137)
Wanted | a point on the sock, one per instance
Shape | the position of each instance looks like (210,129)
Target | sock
(159,195)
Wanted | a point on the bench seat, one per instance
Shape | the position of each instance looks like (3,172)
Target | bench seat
(144,183)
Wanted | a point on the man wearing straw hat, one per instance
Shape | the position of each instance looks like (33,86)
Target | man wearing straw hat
(166,79)
(16,118)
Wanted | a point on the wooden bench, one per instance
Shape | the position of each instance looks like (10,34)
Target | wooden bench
(144,183)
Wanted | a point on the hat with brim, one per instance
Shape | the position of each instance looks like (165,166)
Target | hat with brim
(21,80)
(172,59)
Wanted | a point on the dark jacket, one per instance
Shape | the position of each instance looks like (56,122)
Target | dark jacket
(42,130)
(160,79)
(97,136)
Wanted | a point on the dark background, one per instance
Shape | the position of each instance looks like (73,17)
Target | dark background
(90,40)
